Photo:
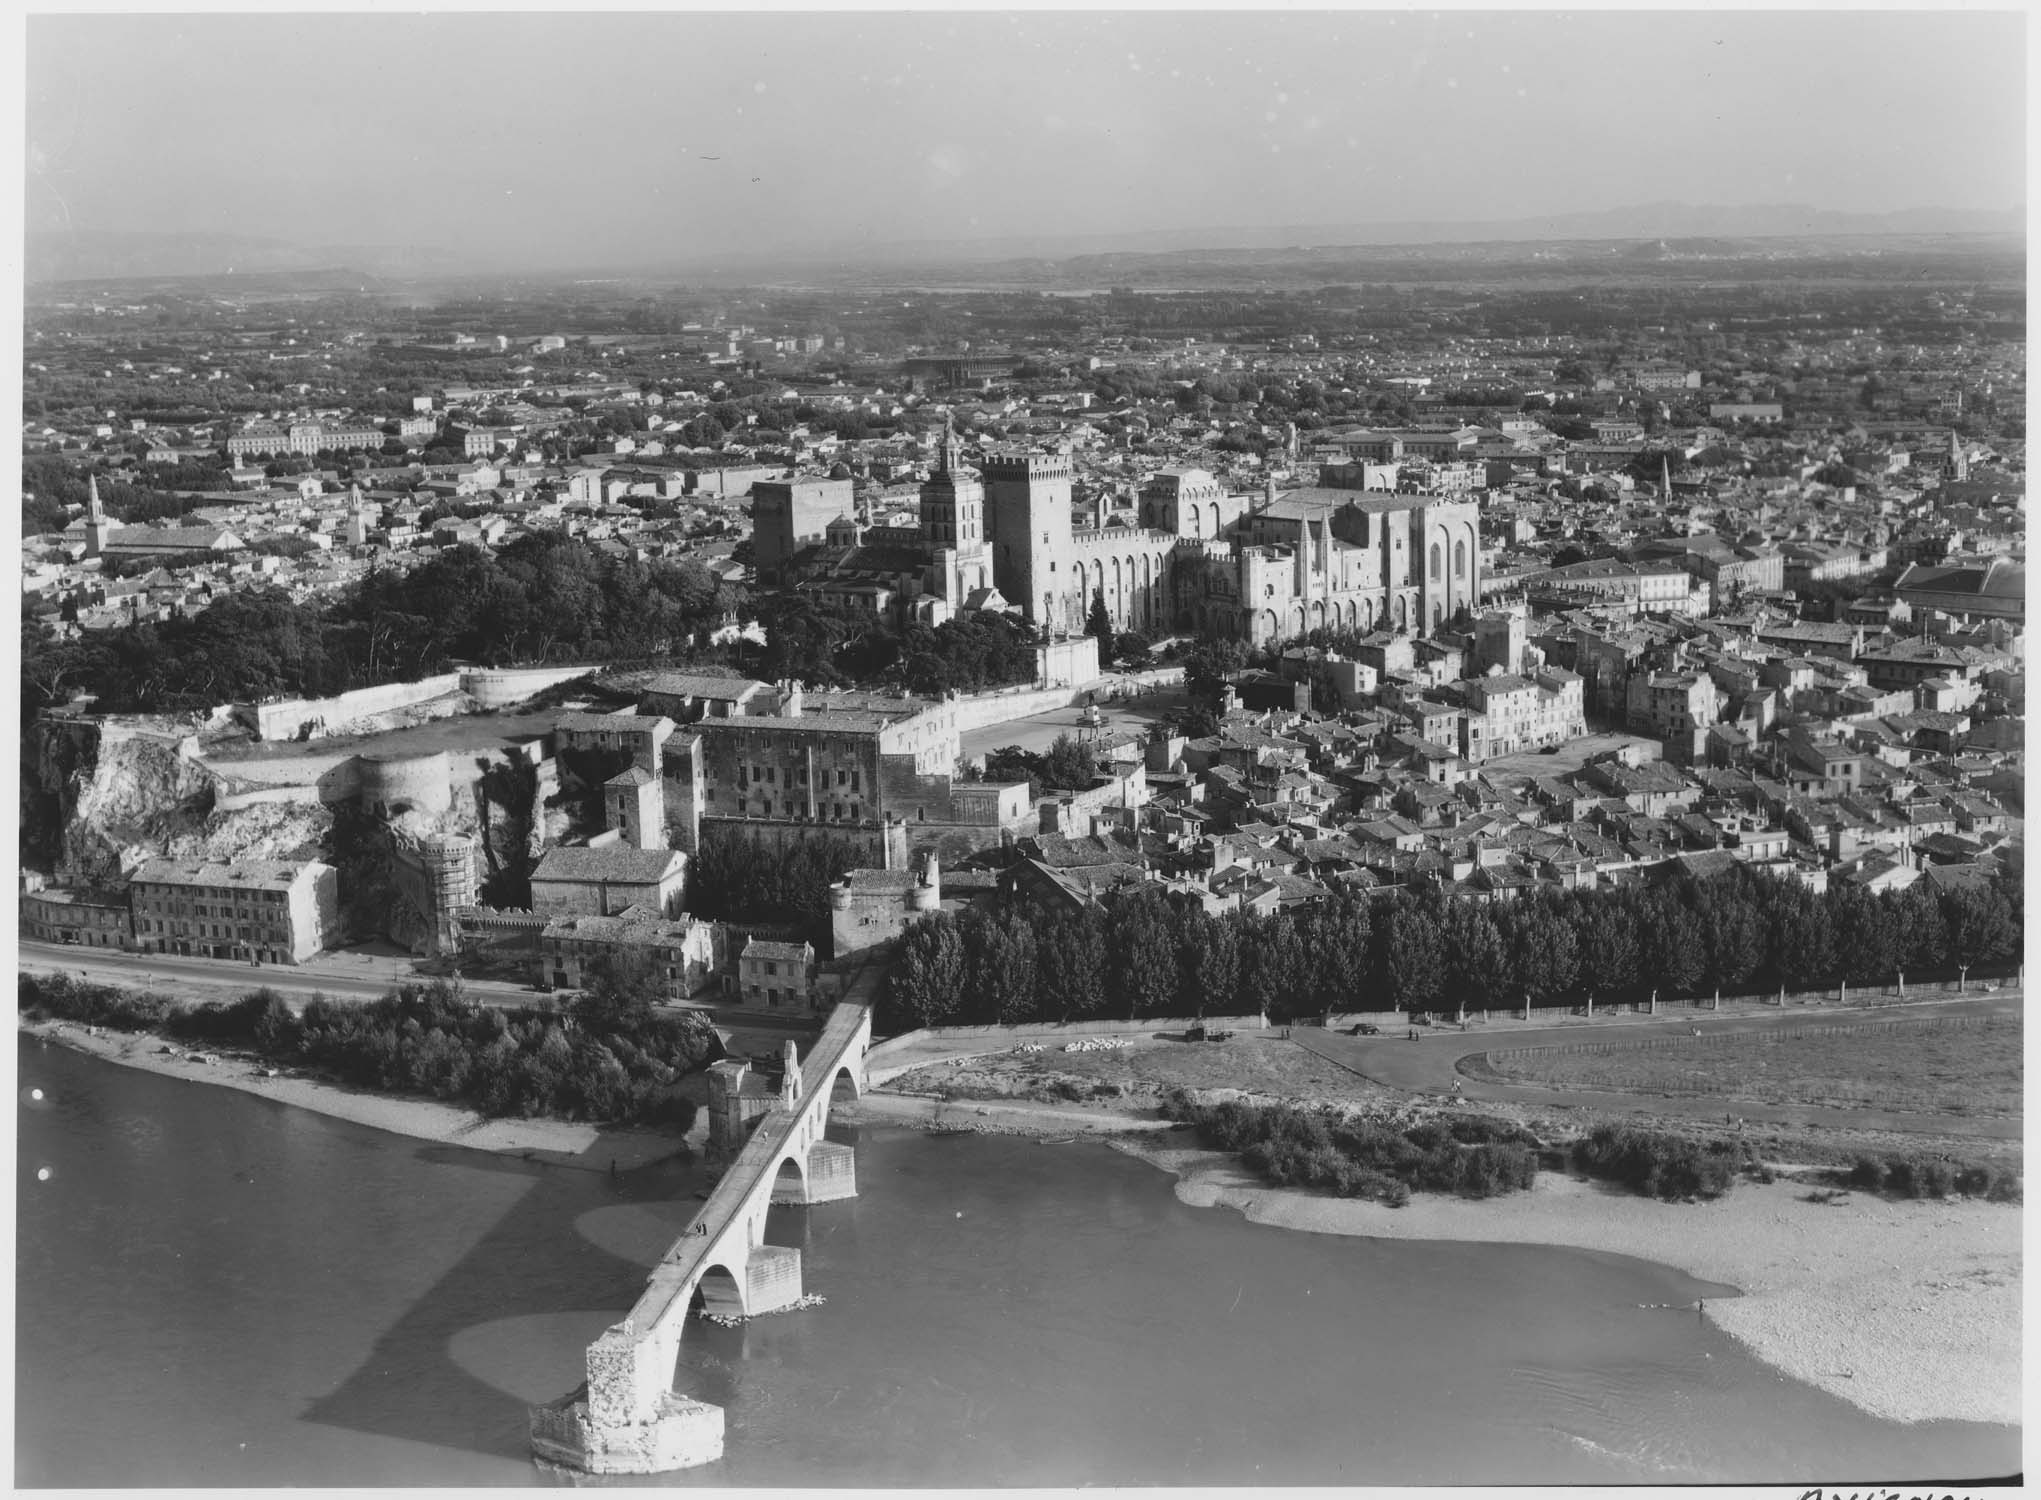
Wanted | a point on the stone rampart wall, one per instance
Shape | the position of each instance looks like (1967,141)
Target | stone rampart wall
(291,717)
(499,687)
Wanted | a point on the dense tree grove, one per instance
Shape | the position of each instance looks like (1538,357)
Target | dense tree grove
(611,1058)
(740,879)
(542,598)
(1068,765)
(827,645)
(1141,954)
(50,484)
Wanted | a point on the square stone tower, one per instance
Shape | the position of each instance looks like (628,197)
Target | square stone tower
(1027,509)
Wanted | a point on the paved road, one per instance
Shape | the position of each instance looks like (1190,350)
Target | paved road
(353,975)
(1430,1065)
(341,976)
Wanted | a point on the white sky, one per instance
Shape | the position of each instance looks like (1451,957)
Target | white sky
(552,139)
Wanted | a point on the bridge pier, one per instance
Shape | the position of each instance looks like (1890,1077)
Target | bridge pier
(681,1433)
(628,1419)
(773,1279)
(832,1172)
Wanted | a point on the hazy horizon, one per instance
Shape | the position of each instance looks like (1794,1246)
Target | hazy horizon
(540,141)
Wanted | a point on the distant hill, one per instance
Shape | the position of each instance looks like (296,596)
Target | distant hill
(1651,221)
(102,254)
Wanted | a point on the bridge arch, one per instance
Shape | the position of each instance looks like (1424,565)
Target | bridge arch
(789,1179)
(721,1292)
(847,1074)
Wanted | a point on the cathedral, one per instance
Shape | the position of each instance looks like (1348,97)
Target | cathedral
(1188,556)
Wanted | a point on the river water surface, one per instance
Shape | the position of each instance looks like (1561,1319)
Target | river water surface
(214,1289)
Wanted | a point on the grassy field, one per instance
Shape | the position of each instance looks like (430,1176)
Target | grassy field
(1257,1065)
(1924,1068)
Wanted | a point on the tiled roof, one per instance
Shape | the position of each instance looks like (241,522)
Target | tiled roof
(256,874)
(612,862)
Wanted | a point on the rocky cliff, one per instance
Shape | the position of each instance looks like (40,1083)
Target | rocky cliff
(99,797)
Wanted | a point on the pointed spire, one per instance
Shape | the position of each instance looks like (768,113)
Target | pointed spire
(949,450)
(94,513)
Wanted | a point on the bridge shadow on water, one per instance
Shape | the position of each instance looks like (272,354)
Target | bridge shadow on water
(521,1305)
(509,1325)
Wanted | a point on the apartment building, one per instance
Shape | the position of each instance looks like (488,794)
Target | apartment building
(269,911)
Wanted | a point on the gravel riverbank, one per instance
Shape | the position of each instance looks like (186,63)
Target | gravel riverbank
(1907,1309)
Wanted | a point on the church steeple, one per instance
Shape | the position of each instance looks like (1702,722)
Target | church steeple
(953,499)
(97,527)
(949,452)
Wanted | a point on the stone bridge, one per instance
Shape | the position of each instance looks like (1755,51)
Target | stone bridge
(628,1419)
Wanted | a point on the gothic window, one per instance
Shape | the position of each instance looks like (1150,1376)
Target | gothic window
(1459,559)
(1435,562)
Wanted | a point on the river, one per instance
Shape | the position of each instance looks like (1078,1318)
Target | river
(215,1289)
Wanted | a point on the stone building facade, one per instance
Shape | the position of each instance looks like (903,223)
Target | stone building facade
(271,911)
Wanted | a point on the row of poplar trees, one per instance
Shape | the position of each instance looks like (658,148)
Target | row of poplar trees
(1140,953)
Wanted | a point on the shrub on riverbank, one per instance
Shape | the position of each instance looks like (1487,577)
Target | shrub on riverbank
(63,998)
(1933,1177)
(1466,1154)
(1672,1167)
(598,1063)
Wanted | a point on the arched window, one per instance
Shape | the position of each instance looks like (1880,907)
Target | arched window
(1435,562)
(1459,559)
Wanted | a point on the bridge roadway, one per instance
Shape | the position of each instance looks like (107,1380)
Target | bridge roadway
(628,1419)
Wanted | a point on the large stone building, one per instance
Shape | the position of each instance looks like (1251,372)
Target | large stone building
(869,908)
(88,918)
(607,881)
(270,911)
(1189,555)
(1333,555)
(791,515)
(1507,714)
(263,439)
(684,954)
(873,768)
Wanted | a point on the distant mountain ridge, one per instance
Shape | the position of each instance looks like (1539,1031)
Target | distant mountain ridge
(1650,221)
(108,254)
(99,254)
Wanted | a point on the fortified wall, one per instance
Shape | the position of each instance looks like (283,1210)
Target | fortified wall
(487,687)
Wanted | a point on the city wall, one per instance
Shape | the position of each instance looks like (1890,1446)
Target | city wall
(490,687)
(295,716)
(500,687)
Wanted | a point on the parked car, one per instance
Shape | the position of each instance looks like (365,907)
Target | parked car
(1364,1029)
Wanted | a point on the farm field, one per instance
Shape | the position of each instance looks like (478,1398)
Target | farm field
(1954,1068)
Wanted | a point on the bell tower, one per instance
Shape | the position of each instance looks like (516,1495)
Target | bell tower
(97,528)
(953,499)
